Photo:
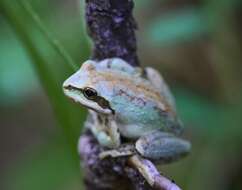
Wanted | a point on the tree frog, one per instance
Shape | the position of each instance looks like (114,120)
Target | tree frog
(130,105)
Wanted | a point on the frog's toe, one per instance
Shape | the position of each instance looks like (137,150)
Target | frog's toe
(105,154)
(125,150)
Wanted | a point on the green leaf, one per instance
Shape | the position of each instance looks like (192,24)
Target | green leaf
(70,117)
(16,81)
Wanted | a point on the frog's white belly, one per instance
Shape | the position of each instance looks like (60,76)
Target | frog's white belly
(137,120)
(133,131)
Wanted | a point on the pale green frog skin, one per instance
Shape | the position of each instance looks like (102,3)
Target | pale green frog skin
(123,103)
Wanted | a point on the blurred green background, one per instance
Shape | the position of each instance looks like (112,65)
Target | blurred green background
(196,44)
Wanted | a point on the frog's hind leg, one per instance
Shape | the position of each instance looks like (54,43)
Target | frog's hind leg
(162,147)
(159,83)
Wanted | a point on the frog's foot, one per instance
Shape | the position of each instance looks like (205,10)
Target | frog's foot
(162,147)
(123,150)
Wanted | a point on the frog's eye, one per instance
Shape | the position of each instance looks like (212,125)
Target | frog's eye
(89,93)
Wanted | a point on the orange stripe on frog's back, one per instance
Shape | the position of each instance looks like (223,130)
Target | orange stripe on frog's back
(140,87)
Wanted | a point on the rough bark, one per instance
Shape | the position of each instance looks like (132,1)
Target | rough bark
(111,26)
(107,174)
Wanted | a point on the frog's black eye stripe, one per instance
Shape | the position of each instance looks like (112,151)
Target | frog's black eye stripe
(90,93)
(104,104)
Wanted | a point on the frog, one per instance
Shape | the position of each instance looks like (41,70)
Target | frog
(133,110)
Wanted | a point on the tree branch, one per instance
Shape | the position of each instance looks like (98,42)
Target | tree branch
(112,28)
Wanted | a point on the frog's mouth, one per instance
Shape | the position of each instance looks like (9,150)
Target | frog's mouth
(99,104)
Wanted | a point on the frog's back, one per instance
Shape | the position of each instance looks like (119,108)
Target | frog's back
(137,103)
(139,107)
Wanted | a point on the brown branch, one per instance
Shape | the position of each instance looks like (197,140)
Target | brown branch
(112,28)
(118,173)
(108,173)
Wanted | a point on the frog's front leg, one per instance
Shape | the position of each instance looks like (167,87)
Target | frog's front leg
(162,147)
(113,132)
(105,130)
